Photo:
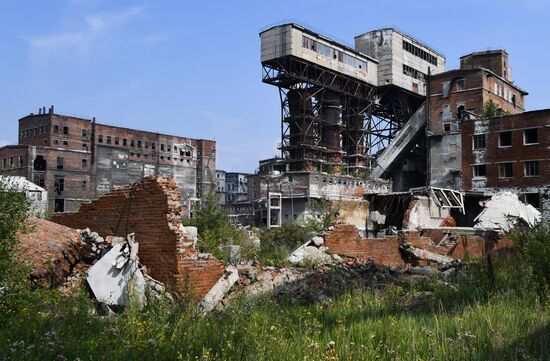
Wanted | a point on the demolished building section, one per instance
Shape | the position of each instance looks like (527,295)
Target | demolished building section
(151,209)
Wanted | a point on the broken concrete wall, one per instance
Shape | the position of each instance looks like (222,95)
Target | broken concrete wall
(424,213)
(151,208)
(353,212)
(446,161)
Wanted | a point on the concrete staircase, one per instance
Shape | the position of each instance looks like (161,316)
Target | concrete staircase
(401,142)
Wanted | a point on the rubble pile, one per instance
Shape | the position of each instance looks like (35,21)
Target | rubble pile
(503,211)
(95,246)
(313,251)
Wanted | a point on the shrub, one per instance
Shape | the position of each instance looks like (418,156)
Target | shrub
(277,243)
(534,247)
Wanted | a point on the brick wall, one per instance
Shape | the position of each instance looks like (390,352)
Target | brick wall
(345,240)
(516,154)
(151,208)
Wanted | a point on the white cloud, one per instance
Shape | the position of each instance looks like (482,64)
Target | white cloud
(93,27)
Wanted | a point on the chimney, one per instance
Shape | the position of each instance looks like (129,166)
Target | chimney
(51,109)
(43,110)
(39,111)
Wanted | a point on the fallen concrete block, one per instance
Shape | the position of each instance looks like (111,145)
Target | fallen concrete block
(424,255)
(218,291)
(306,252)
(114,278)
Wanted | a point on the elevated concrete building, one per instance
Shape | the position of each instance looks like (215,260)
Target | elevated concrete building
(77,159)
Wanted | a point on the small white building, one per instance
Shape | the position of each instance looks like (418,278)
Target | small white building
(37,196)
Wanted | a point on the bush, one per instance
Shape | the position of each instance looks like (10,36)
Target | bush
(533,245)
(277,243)
(13,212)
(213,226)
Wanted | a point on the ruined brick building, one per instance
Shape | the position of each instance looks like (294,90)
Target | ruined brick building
(78,159)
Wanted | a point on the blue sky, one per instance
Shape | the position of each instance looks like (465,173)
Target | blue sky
(192,68)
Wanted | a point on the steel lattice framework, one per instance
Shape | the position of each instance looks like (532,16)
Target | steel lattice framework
(367,117)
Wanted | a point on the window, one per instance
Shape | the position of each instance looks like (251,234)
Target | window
(460,84)
(65,142)
(132,143)
(531,168)
(479,141)
(419,52)
(162,147)
(531,198)
(56,128)
(413,73)
(447,127)
(117,140)
(11,163)
(146,145)
(84,163)
(83,184)
(59,184)
(60,162)
(460,112)
(505,139)
(56,141)
(100,138)
(108,139)
(153,145)
(530,136)
(59,205)
(39,179)
(4,163)
(66,130)
(479,170)
(505,170)
(84,133)
(139,143)
(21,164)
(124,142)
(168,148)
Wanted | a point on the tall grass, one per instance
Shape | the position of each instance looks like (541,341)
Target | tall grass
(464,322)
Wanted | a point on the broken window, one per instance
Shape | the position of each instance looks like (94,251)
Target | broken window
(162,147)
(39,163)
(153,145)
(60,162)
(480,170)
(84,146)
(38,179)
(83,184)
(108,139)
(132,143)
(146,145)
(505,170)
(4,163)
(65,142)
(531,198)
(117,140)
(100,138)
(59,184)
(139,143)
(84,163)
(56,128)
(84,133)
(59,205)
(505,139)
(460,111)
(531,168)
(66,130)
(460,84)
(447,127)
(479,141)
(21,163)
(124,142)
(11,162)
(530,136)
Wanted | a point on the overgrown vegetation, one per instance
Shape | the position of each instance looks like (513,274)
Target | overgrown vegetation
(474,320)
(491,109)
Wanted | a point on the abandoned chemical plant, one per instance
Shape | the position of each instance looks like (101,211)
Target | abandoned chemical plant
(423,165)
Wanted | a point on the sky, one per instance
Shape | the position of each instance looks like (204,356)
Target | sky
(192,68)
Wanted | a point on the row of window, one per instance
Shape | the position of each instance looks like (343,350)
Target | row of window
(422,54)
(530,137)
(43,129)
(9,162)
(143,144)
(332,53)
(413,73)
(505,170)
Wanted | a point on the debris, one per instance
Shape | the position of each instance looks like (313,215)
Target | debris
(117,275)
(503,210)
(417,299)
(424,255)
(218,291)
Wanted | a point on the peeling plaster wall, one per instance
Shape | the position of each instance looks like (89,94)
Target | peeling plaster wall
(446,161)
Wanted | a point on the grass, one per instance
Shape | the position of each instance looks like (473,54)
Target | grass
(466,322)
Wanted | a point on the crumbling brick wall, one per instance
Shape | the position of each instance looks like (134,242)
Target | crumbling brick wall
(52,250)
(151,208)
(345,240)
